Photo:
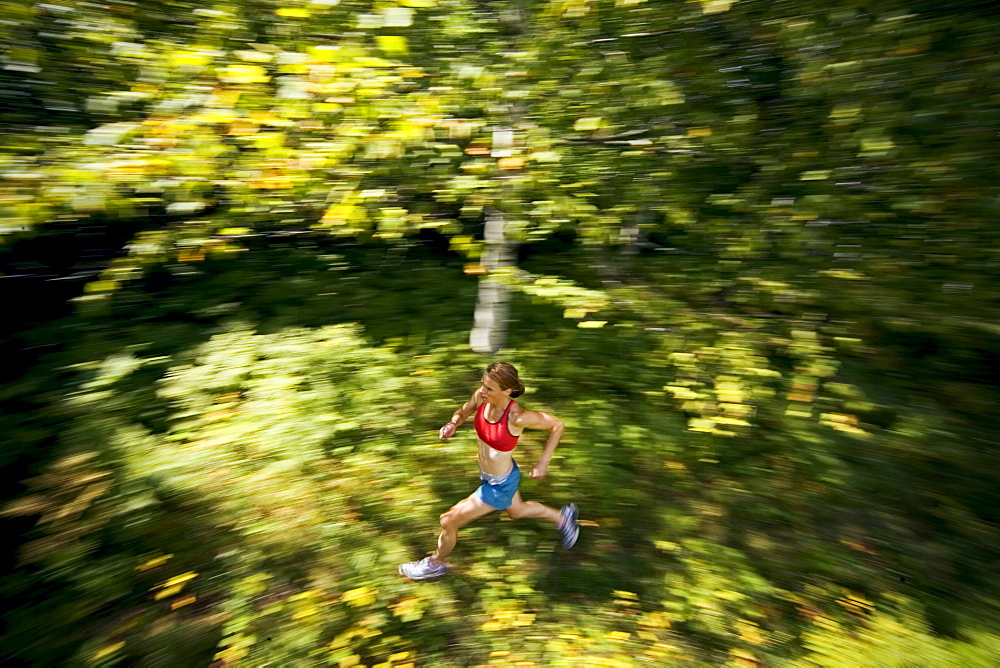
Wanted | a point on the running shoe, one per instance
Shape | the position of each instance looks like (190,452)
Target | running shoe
(569,528)
(424,569)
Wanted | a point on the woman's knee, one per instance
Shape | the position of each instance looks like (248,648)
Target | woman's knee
(515,512)
(451,520)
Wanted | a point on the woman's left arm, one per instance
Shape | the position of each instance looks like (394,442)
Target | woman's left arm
(540,420)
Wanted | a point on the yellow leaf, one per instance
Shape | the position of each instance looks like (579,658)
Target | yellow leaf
(100,286)
(511,163)
(169,591)
(235,230)
(339,213)
(391,43)
(225,98)
(848,429)
(309,593)
(681,392)
(308,612)
(242,128)
(656,620)
(876,146)
(728,595)
(750,632)
(417,4)
(545,156)
(838,418)
(267,118)
(588,124)
(154,562)
(592,324)
(180,579)
(731,421)
(213,116)
(461,242)
(293,12)
(268,140)
(715,6)
(475,167)
(408,608)
(699,132)
(700,424)
(849,274)
(743,657)
(107,651)
(856,601)
(244,74)
(189,59)
(360,597)
(254,56)
(190,255)
(844,112)
(181,602)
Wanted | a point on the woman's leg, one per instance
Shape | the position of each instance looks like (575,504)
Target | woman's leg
(463,512)
(520,508)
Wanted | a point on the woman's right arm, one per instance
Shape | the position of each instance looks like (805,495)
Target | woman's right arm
(459,416)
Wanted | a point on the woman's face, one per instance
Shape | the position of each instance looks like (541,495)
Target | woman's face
(491,391)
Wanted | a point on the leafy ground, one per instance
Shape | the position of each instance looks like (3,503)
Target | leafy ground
(233,463)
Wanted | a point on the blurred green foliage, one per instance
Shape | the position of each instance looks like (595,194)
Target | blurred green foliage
(755,281)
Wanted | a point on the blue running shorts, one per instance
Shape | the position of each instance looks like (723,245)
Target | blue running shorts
(499,491)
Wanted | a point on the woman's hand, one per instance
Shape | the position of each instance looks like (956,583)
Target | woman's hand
(540,471)
(447,431)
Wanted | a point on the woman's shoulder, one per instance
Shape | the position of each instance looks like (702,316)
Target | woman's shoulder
(530,419)
(476,399)
(516,411)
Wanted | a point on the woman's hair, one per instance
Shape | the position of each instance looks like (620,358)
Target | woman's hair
(506,377)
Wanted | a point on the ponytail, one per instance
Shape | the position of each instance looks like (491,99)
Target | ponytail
(506,377)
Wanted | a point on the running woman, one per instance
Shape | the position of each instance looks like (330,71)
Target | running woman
(499,422)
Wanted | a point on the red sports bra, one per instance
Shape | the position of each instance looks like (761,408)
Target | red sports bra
(495,434)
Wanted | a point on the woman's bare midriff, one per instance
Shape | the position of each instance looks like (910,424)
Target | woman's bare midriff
(494,462)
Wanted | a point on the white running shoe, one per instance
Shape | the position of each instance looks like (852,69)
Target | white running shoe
(424,569)
(569,528)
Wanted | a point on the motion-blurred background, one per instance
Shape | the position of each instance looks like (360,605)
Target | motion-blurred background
(255,253)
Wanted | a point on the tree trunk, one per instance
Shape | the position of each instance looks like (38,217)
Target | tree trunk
(489,329)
